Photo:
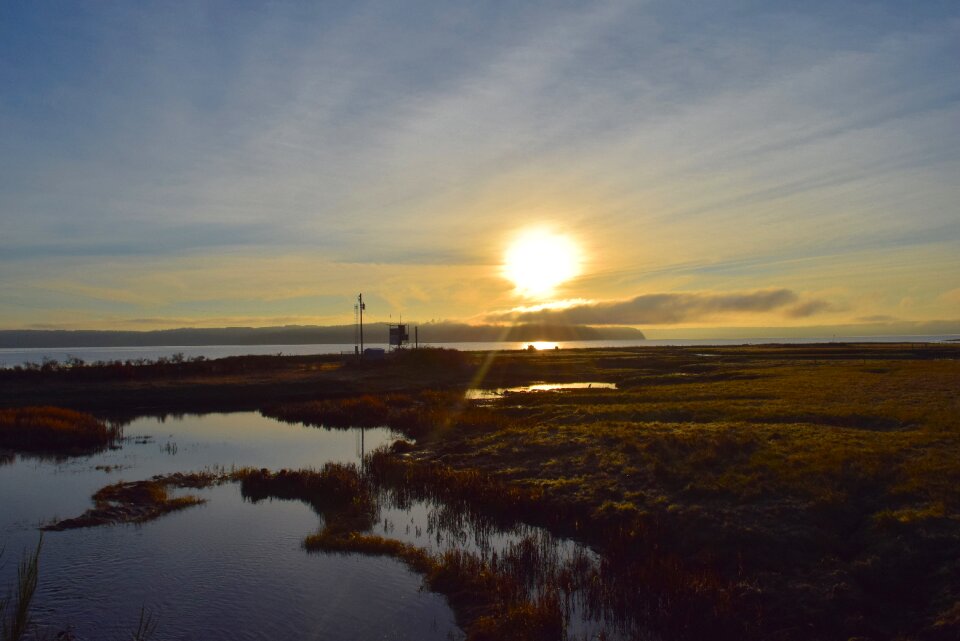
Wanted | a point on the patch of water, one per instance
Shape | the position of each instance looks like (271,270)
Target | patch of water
(437,528)
(488,394)
(235,569)
(228,569)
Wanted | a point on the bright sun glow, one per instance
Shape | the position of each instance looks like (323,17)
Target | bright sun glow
(538,261)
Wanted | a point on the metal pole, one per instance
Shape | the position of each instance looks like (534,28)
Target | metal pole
(360,300)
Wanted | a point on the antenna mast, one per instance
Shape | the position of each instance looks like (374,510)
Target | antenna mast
(360,308)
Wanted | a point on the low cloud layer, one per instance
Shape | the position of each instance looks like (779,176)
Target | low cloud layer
(669,309)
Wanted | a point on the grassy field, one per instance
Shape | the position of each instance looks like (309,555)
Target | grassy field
(821,485)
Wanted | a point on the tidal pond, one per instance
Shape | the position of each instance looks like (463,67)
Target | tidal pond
(235,569)
(225,569)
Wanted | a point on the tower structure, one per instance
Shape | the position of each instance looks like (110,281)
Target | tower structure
(358,325)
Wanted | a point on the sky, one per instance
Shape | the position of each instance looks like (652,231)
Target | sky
(716,164)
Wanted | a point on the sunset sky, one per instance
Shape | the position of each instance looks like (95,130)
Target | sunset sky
(712,164)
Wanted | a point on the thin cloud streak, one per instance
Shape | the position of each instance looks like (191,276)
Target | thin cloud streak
(673,308)
(704,146)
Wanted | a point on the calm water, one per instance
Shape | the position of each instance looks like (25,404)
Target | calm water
(226,569)
(232,569)
(487,394)
(16,356)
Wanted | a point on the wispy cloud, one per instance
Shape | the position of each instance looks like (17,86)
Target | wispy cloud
(703,149)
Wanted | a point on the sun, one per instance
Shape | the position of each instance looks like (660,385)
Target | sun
(538,261)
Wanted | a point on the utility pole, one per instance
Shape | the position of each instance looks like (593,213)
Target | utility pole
(361,306)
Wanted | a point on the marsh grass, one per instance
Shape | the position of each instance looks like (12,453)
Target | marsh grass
(523,590)
(16,621)
(338,492)
(139,501)
(421,415)
(15,609)
(639,584)
(794,492)
(775,492)
(750,477)
(143,369)
(54,430)
(490,601)
(786,491)
(147,626)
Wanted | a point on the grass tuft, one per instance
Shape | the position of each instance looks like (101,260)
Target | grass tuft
(53,430)
(15,623)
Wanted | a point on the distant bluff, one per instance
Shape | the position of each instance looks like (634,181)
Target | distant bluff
(306,335)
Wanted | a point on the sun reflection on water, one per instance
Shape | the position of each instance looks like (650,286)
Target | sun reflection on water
(540,345)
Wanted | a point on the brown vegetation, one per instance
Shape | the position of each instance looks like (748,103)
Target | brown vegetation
(490,603)
(139,501)
(53,430)
(816,489)
(425,414)
(489,600)
(788,492)
(132,388)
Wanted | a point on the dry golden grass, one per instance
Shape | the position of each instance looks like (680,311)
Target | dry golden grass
(824,483)
(490,605)
(139,501)
(52,429)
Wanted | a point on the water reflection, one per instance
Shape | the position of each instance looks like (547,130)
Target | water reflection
(487,394)
(234,569)
(542,562)
(505,564)
(225,570)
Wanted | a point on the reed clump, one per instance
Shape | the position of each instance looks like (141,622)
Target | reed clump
(139,501)
(363,411)
(642,581)
(466,491)
(491,602)
(15,608)
(418,415)
(338,492)
(53,430)
(490,605)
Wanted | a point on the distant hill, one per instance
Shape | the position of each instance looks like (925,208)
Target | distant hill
(306,335)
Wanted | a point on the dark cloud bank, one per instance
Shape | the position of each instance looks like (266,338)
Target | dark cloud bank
(668,309)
